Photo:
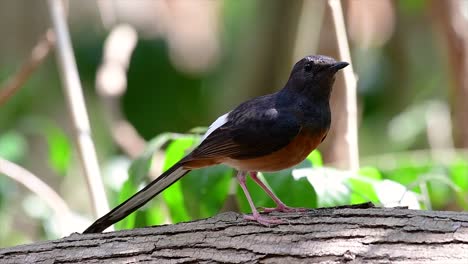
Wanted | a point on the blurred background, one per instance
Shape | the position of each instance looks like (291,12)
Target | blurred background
(156,73)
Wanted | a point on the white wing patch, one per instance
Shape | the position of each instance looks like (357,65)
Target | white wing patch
(219,122)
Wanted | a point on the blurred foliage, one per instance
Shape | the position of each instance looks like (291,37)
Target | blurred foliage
(148,58)
(58,143)
(13,146)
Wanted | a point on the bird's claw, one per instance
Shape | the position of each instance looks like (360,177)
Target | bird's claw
(284,209)
(266,221)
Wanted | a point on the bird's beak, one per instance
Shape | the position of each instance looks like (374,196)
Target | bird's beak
(339,65)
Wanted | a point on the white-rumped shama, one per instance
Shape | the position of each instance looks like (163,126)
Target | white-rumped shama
(267,133)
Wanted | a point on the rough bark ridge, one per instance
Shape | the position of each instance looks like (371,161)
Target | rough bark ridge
(335,235)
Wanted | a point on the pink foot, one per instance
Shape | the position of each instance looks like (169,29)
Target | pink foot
(266,221)
(284,209)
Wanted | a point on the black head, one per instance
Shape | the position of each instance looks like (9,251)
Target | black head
(314,75)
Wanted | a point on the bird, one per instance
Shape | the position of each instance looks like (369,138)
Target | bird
(264,134)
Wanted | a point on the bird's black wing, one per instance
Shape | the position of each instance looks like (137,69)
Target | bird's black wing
(250,131)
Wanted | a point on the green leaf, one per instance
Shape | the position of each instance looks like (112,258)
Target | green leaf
(363,187)
(329,184)
(128,189)
(412,7)
(315,158)
(174,194)
(441,188)
(59,149)
(281,183)
(459,177)
(407,174)
(140,167)
(151,214)
(206,190)
(259,197)
(362,191)
(392,193)
(155,214)
(439,194)
(58,144)
(13,146)
(371,173)
(459,174)
(138,172)
(293,192)
(338,187)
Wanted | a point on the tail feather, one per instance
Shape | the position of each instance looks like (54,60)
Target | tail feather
(139,199)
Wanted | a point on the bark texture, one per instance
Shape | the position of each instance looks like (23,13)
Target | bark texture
(333,235)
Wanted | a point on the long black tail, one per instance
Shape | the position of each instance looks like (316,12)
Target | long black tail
(139,199)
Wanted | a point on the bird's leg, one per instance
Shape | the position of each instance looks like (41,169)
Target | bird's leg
(280,206)
(255,215)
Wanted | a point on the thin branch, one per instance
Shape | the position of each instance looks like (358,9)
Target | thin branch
(77,108)
(38,55)
(41,189)
(350,84)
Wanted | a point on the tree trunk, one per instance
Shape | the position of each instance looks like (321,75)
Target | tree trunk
(330,235)
(452,21)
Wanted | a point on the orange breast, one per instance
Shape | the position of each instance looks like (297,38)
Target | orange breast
(295,152)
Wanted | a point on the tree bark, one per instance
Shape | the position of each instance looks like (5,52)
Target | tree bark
(330,235)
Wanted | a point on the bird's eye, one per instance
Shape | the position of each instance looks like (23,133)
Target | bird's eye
(308,67)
